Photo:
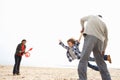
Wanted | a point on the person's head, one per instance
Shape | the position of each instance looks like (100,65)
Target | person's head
(23,41)
(71,42)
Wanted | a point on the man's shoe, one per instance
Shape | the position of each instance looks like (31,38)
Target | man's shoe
(109,59)
(18,73)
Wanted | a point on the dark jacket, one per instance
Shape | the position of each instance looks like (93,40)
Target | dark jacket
(18,49)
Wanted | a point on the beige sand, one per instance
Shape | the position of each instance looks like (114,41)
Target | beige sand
(39,73)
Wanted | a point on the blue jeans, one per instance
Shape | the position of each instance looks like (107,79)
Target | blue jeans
(91,43)
(94,67)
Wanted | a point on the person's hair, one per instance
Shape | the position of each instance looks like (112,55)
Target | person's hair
(100,16)
(23,40)
(71,40)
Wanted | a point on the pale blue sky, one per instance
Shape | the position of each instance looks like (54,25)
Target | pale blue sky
(43,22)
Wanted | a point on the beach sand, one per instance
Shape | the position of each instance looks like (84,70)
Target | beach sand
(44,73)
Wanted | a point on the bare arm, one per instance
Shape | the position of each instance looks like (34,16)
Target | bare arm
(80,37)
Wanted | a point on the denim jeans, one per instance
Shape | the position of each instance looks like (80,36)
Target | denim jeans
(16,68)
(94,67)
(91,43)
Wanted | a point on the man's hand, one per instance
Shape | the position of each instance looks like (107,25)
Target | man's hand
(103,52)
(21,52)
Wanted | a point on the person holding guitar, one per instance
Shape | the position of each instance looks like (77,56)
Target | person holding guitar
(20,50)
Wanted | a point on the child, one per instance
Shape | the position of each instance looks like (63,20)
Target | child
(73,52)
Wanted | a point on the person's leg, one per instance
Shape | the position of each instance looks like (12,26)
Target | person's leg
(15,65)
(100,61)
(83,63)
(105,57)
(91,59)
(18,66)
(14,68)
(93,67)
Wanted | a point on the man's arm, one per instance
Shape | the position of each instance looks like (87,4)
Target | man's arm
(105,41)
(82,21)
(80,37)
(82,24)
(18,49)
(77,42)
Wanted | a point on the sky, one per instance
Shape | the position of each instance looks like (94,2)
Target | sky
(44,22)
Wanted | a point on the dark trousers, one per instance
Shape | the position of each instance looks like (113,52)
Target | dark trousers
(16,68)
(94,67)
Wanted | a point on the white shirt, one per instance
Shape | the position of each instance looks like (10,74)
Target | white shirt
(95,27)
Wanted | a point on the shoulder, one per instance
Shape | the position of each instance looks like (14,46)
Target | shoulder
(86,18)
(19,44)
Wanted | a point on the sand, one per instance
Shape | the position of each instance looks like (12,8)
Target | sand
(44,73)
